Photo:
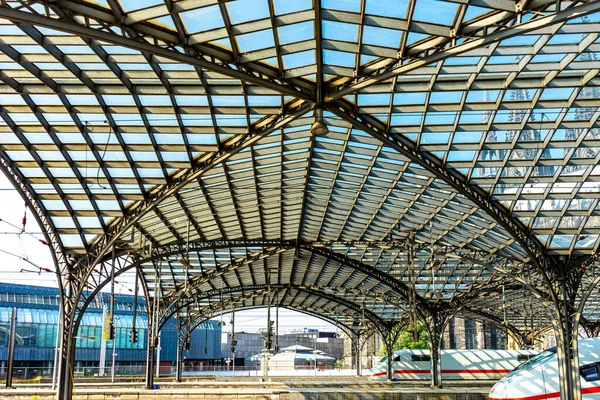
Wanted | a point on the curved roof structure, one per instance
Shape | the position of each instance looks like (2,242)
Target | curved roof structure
(459,171)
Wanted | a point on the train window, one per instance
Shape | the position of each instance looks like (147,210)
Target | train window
(524,357)
(590,372)
(420,357)
(537,359)
(397,358)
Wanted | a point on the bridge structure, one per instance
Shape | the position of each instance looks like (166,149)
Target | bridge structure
(373,163)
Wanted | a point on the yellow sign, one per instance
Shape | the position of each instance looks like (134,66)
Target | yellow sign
(106,327)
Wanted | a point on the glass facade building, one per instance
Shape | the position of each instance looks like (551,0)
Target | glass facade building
(37,330)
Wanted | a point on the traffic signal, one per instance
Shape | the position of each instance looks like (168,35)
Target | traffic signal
(111,331)
(233,344)
(186,345)
(133,338)
(269,336)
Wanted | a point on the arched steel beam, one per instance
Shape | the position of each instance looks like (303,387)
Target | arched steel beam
(261,290)
(304,310)
(368,270)
(191,54)
(397,69)
(39,211)
(407,148)
(79,274)
(175,307)
(124,263)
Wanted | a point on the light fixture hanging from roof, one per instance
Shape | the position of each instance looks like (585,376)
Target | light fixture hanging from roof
(319,128)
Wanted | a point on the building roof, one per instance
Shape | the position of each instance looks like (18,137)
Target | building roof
(460,166)
(296,349)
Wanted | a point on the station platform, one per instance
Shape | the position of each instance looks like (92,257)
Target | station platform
(323,390)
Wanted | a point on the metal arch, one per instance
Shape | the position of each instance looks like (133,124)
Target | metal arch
(177,296)
(179,180)
(314,289)
(276,84)
(39,212)
(97,285)
(260,290)
(304,310)
(383,277)
(453,178)
(207,161)
(499,35)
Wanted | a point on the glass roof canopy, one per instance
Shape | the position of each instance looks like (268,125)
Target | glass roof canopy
(173,123)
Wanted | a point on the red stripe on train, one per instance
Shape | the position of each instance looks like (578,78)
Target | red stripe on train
(553,395)
(447,371)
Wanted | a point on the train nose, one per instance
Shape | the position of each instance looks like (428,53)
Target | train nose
(498,391)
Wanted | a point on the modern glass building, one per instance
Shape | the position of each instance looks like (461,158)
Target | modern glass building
(38,324)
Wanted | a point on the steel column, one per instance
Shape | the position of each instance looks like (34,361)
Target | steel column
(567,347)
(64,387)
(180,344)
(389,349)
(434,324)
(11,347)
(150,361)
(357,345)
(435,339)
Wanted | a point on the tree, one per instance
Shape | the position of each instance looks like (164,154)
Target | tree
(405,341)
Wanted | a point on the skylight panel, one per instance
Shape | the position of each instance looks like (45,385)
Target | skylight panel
(132,5)
(374,99)
(300,59)
(228,101)
(31,49)
(75,49)
(340,31)
(266,101)
(118,100)
(474,11)
(381,36)
(247,10)
(162,119)
(255,41)
(338,58)
(166,22)
(387,8)
(556,93)
(150,101)
(296,32)
(561,241)
(445,97)
(409,98)
(440,118)
(435,11)
(407,119)
(287,6)
(479,96)
(202,19)
(93,66)
(415,37)
(520,40)
(191,100)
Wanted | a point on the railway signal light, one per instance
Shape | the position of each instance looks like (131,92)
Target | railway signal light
(269,336)
(133,337)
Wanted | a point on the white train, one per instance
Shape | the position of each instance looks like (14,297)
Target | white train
(456,364)
(538,377)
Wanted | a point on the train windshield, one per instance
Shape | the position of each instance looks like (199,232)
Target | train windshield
(538,359)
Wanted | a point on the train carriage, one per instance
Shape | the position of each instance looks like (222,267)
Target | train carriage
(538,378)
(455,364)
